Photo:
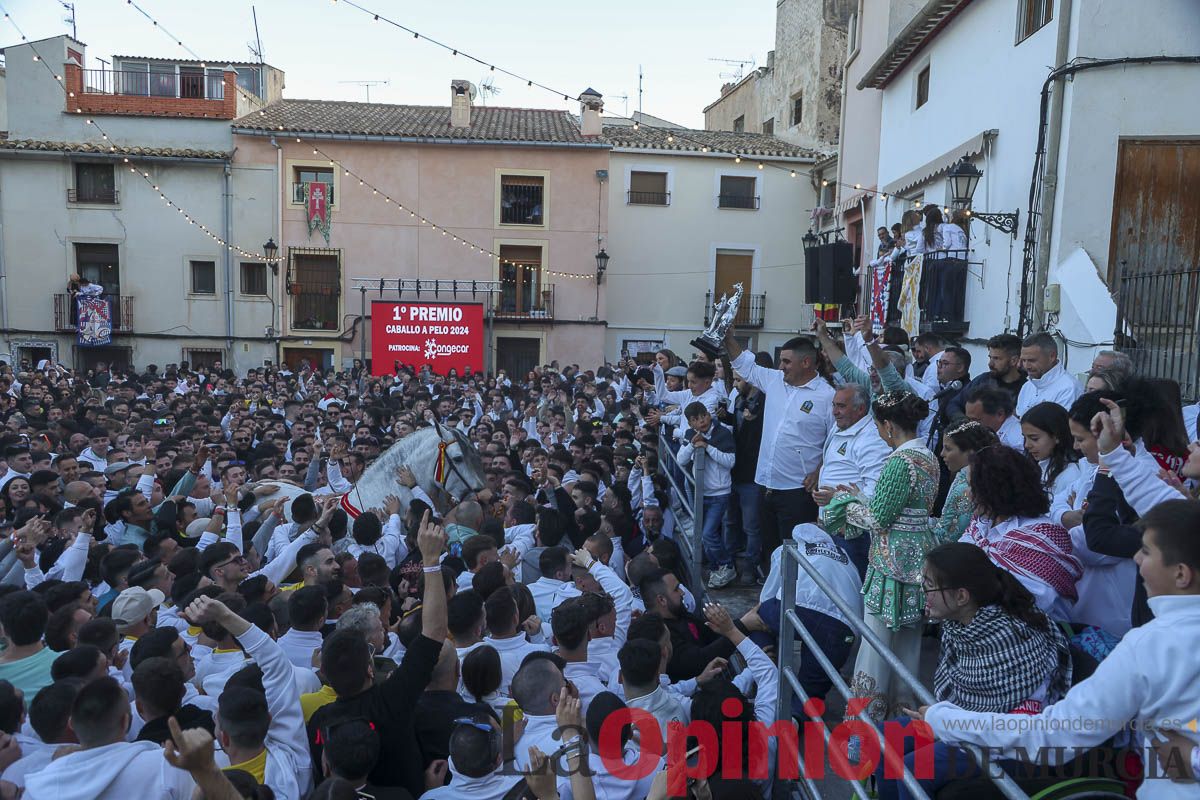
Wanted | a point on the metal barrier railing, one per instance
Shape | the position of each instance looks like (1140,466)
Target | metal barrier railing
(790,625)
(691,497)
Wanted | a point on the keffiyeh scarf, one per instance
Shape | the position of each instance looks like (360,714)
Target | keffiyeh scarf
(997,662)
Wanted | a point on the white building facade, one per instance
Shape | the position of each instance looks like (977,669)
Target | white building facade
(81,173)
(1113,156)
(685,225)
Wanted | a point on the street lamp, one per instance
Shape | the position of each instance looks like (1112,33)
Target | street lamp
(270,249)
(601,265)
(964,178)
(809,239)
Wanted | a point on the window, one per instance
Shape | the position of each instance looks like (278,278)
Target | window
(101,264)
(94,183)
(162,80)
(203,360)
(315,286)
(739,124)
(248,79)
(641,350)
(737,192)
(254,278)
(923,86)
(852,34)
(191,82)
(1032,16)
(521,277)
(769,127)
(204,277)
(305,175)
(797,109)
(521,199)
(648,188)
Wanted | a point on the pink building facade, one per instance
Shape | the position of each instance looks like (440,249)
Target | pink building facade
(526,184)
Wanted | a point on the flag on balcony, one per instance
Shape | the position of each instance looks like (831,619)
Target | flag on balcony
(94,316)
(316,203)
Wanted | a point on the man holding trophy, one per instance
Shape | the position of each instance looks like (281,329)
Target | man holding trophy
(796,419)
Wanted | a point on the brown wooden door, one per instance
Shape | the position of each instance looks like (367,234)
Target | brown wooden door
(1156,208)
(732,267)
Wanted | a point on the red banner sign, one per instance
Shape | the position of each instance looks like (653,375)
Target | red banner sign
(443,335)
(317,206)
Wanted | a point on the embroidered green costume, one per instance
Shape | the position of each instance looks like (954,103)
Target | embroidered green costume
(957,511)
(897,517)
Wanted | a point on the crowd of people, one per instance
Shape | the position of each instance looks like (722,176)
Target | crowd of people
(189,604)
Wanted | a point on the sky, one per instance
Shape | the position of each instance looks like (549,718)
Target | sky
(323,45)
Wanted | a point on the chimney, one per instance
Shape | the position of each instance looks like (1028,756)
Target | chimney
(591,104)
(461,95)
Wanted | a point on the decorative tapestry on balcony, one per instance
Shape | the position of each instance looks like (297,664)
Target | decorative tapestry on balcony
(316,205)
(94,315)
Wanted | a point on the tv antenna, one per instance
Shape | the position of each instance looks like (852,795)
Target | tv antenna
(487,87)
(70,17)
(740,64)
(256,48)
(624,98)
(367,85)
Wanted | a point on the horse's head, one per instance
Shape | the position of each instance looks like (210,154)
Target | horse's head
(463,473)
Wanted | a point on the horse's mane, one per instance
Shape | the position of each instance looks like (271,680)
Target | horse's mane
(382,470)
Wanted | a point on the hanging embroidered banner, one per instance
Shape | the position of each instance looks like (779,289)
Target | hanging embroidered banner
(93,320)
(881,283)
(316,204)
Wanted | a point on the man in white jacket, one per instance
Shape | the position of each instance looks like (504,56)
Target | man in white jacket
(1048,380)
(107,767)
(261,733)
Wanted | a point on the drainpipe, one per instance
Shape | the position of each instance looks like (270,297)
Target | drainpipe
(227,201)
(4,294)
(1050,170)
(279,288)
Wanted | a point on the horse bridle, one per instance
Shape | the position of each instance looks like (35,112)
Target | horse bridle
(453,468)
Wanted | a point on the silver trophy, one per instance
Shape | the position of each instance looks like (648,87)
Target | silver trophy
(712,341)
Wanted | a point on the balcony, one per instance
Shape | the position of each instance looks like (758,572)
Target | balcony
(65,313)
(943,292)
(100,196)
(649,198)
(184,92)
(195,85)
(751,313)
(737,201)
(525,305)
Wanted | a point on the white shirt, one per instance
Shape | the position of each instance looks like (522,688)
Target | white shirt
(548,593)
(299,646)
(951,237)
(1151,675)
(1190,415)
(929,377)
(512,652)
(1056,386)
(1010,434)
(854,455)
(795,421)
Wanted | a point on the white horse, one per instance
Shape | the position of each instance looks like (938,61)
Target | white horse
(443,460)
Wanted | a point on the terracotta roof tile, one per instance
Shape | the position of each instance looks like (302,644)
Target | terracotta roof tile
(488,123)
(97,149)
(688,140)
